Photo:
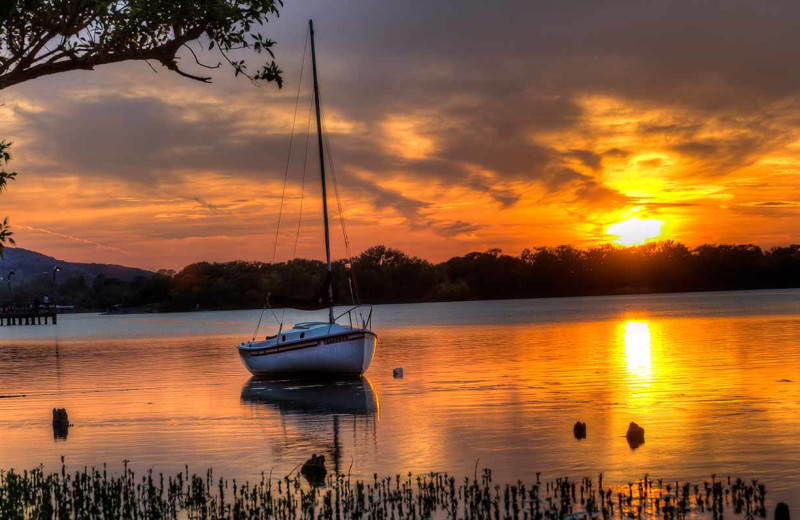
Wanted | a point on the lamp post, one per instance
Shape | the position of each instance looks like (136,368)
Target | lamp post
(8,279)
(56,269)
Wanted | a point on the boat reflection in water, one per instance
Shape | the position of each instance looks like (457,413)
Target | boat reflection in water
(318,410)
(343,397)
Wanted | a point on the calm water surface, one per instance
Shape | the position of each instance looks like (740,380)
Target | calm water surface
(714,378)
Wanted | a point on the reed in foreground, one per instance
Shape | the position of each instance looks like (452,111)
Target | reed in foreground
(98,494)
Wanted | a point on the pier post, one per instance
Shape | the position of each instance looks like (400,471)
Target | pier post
(26,314)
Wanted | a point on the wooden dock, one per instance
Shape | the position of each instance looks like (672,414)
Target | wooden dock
(27,314)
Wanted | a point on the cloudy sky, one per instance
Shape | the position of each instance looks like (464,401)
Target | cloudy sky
(455,126)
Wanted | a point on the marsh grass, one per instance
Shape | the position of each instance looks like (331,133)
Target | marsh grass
(98,494)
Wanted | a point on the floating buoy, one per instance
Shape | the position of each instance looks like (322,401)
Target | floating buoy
(579,430)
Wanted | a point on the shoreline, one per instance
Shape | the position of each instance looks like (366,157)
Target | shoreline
(385,304)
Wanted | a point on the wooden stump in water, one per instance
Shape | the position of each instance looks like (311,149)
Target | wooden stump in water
(60,423)
(635,435)
(314,470)
(781,511)
(579,430)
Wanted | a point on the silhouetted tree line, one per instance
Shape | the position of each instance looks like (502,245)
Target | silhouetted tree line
(384,275)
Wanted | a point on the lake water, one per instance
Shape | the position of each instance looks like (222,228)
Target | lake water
(714,378)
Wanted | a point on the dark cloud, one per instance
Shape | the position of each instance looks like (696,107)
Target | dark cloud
(774,214)
(557,178)
(587,157)
(506,197)
(453,229)
(144,139)
(724,155)
(708,54)
(698,149)
(617,153)
(415,212)
(686,130)
(382,197)
(207,205)
(593,194)
(777,204)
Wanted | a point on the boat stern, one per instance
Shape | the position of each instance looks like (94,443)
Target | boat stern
(370,344)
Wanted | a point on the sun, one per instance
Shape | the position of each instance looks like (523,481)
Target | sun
(635,231)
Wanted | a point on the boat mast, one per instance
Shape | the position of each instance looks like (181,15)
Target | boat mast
(322,170)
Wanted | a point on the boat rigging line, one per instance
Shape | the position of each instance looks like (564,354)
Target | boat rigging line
(289,154)
(353,285)
(303,183)
(285,180)
(302,198)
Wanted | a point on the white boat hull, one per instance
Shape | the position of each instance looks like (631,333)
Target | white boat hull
(348,353)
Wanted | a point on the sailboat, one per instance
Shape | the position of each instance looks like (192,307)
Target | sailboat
(326,348)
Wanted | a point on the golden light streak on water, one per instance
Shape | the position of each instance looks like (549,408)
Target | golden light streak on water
(636,338)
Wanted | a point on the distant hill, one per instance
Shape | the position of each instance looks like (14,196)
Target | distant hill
(27,265)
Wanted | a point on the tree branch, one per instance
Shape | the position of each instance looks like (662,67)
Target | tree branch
(164,54)
(197,60)
(40,37)
(173,66)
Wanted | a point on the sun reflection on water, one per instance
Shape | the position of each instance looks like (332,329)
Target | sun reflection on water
(637,348)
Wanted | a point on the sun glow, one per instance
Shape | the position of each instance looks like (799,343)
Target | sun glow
(635,231)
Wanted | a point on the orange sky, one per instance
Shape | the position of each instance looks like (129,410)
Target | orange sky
(451,133)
